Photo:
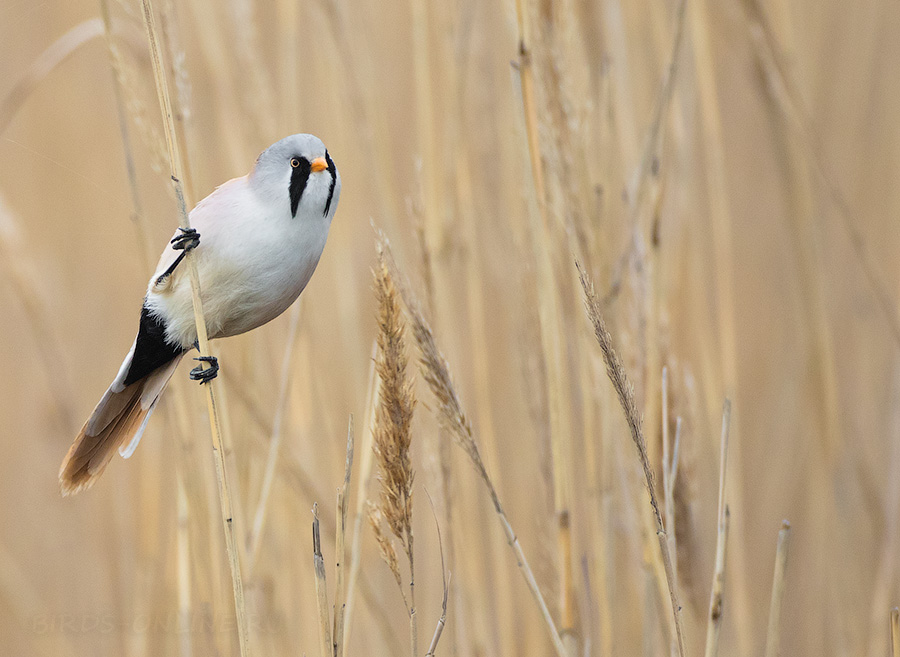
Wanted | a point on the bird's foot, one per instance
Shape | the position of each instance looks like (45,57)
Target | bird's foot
(208,374)
(188,240)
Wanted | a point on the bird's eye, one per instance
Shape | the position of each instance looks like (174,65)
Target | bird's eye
(295,162)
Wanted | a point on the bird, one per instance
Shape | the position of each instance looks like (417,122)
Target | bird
(262,236)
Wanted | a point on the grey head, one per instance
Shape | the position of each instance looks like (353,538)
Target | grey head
(298,174)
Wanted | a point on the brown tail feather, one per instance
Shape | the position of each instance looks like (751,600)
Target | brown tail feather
(89,455)
(116,421)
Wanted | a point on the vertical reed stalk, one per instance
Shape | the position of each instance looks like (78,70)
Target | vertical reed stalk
(340,551)
(552,345)
(162,91)
(625,393)
(450,413)
(722,221)
(716,596)
(321,588)
(439,628)
(365,472)
(895,632)
(669,465)
(773,636)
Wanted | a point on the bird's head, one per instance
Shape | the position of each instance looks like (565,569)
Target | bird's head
(298,172)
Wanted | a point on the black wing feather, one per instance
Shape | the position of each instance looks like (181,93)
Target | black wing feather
(151,351)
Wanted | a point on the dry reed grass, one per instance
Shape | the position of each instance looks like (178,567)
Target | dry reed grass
(625,392)
(177,174)
(393,435)
(723,172)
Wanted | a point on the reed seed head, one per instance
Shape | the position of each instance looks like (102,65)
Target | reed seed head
(394,413)
(385,545)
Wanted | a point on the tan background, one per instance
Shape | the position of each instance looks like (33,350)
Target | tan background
(753,290)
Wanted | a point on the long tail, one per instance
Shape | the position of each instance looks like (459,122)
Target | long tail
(117,422)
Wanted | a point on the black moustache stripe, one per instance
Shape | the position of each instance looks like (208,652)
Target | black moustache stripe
(298,183)
(333,173)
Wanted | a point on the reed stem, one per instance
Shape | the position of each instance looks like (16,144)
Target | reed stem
(321,588)
(895,632)
(225,502)
(716,595)
(781,554)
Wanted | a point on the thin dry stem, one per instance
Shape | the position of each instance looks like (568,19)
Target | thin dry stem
(439,629)
(367,461)
(669,465)
(552,335)
(716,596)
(895,632)
(339,546)
(451,416)
(321,589)
(625,393)
(162,90)
(773,636)
(445,578)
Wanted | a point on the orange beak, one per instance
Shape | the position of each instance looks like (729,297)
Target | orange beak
(319,164)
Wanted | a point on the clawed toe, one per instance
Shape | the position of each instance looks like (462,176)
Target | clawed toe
(188,240)
(208,374)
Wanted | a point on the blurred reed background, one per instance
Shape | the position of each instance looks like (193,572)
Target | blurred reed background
(725,172)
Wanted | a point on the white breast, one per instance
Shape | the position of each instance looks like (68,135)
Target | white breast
(253,263)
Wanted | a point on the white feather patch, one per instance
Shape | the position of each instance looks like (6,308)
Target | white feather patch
(118,384)
(125,451)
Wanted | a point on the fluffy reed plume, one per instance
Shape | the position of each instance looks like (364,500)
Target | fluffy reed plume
(625,393)
(393,417)
(452,417)
(394,412)
(385,545)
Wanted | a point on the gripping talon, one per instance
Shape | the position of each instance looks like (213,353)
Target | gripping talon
(208,374)
(188,240)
